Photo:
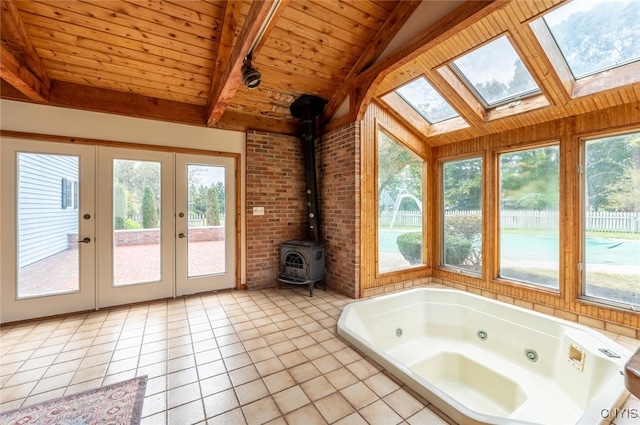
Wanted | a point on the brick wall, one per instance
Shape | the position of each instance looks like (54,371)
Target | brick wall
(275,181)
(338,156)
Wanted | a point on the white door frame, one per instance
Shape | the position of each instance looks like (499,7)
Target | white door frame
(191,285)
(12,308)
(108,294)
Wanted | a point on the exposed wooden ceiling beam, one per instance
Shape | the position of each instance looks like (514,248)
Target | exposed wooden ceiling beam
(231,78)
(76,96)
(69,95)
(230,25)
(21,65)
(14,73)
(384,36)
(363,86)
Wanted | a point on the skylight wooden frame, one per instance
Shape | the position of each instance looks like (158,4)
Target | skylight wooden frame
(511,98)
(608,79)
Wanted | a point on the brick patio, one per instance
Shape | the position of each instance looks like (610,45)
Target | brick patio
(136,263)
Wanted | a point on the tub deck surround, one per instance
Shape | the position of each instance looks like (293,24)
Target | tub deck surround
(484,361)
(632,374)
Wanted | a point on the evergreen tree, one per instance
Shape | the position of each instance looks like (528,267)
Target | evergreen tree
(120,206)
(213,209)
(149,210)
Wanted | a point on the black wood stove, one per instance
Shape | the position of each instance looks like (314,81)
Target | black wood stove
(302,262)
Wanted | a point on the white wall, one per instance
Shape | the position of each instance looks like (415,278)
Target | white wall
(33,118)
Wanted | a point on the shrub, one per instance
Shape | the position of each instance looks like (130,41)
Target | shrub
(456,250)
(410,245)
(131,224)
(462,240)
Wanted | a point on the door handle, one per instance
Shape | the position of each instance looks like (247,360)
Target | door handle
(181,235)
(85,240)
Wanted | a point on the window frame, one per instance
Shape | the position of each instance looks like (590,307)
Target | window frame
(581,295)
(425,251)
(496,172)
(440,249)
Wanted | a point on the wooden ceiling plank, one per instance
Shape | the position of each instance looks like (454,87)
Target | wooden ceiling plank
(175,15)
(197,7)
(231,77)
(14,73)
(110,76)
(111,48)
(321,21)
(364,86)
(306,48)
(124,28)
(144,21)
(20,49)
(388,30)
(313,62)
(55,50)
(352,13)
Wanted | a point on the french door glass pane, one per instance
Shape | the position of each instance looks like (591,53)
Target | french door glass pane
(399,206)
(462,225)
(48,260)
(529,216)
(136,222)
(612,219)
(206,221)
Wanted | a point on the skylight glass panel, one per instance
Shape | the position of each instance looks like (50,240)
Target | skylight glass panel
(595,36)
(426,101)
(496,73)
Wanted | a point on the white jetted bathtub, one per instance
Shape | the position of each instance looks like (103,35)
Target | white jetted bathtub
(483,361)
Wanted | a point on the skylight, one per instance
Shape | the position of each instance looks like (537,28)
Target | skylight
(495,73)
(426,101)
(596,36)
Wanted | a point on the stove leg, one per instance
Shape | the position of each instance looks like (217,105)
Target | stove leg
(311,289)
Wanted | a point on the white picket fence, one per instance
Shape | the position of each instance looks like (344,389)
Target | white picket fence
(603,221)
(195,220)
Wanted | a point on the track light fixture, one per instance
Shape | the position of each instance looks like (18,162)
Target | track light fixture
(251,77)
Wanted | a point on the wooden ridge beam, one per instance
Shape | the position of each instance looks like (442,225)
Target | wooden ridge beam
(222,92)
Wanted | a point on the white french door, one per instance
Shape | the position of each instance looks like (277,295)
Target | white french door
(86,227)
(205,223)
(136,226)
(48,229)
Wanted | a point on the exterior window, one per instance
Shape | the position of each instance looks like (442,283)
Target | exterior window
(399,206)
(612,219)
(462,225)
(529,199)
(595,36)
(495,73)
(427,101)
(69,194)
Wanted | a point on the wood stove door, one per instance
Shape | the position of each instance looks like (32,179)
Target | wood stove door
(205,223)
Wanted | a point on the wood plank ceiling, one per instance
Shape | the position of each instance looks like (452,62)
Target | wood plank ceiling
(180,60)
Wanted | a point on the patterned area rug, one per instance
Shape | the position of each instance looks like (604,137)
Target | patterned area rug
(119,403)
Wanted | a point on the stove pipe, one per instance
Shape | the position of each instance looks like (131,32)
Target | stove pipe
(307,108)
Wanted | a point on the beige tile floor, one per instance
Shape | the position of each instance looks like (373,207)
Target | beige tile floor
(231,357)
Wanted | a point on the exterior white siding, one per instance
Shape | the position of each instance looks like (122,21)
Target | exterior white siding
(43,223)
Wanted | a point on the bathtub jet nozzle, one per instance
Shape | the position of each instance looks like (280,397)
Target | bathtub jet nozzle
(531,354)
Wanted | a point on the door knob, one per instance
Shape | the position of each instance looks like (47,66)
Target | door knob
(181,235)
(85,240)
